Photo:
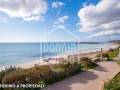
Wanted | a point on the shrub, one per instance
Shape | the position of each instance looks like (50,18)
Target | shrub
(41,74)
(6,71)
(110,54)
(113,54)
(22,76)
(75,68)
(71,69)
(104,55)
(87,62)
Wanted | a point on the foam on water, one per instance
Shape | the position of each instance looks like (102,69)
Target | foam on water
(17,53)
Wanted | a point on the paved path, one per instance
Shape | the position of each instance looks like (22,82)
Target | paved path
(88,80)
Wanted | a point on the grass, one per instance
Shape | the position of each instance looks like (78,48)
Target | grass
(113,54)
(110,54)
(113,84)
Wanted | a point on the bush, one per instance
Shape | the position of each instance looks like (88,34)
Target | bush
(21,76)
(40,74)
(104,55)
(113,54)
(71,69)
(6,71)
(87,62)
(110,54)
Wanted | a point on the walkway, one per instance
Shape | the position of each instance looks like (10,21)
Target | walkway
(88,80)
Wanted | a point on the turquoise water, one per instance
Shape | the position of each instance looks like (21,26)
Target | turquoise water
(16,53)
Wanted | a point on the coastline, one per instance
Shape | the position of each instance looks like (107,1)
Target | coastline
(54,60)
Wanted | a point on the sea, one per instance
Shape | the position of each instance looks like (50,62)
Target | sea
(18,53)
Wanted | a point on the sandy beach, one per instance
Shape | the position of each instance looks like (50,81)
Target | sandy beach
(53,60)
(56,60)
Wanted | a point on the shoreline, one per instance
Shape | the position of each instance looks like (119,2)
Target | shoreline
(54,60)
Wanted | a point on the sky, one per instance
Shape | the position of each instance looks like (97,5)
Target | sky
(59,20)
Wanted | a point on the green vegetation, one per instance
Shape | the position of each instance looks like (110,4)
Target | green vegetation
(5,72)
(44,74)
(111,54)
(87,63)
(113,84)
(49,74)
(104,55)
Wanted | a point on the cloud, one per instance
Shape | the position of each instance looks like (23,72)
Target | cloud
(60,25)
(25,9)
(63,19)
(101,19)
(105,33)
(57,4)
(60,22)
